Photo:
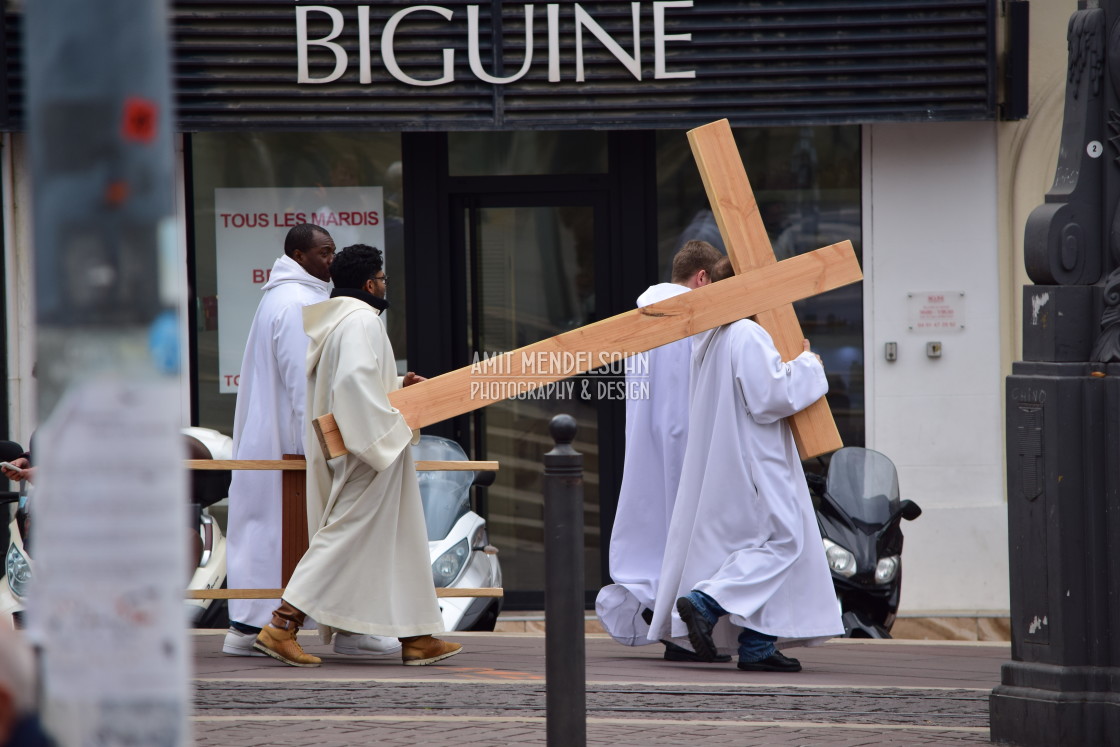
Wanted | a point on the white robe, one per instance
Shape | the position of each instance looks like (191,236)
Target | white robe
(367,568)
(656,430)
(743,530)
(267,424)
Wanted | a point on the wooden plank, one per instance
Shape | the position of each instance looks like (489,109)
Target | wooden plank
(496,591)
(293,523)
(330,440)
(248,464)
(748,247)
(634,331)
(422,465)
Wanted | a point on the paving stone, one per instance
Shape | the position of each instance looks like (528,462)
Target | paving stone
(851,694)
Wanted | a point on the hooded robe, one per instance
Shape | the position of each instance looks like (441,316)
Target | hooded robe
(267,424)
(656,431)
(367,568)
(743,529)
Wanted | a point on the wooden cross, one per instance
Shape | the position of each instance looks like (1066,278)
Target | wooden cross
(748,247)
(590,347)
(762,287)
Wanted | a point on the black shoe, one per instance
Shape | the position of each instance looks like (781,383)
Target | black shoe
(699,630)
(673,652)
(647,615)
(775,662)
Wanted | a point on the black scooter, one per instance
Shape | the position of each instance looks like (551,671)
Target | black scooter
(859,513)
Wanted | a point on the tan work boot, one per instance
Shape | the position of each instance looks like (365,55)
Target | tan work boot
(278,638)
(420,650)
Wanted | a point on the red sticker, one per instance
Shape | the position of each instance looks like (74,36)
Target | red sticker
(140,120)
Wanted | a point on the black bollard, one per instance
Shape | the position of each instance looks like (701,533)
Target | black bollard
(565,678)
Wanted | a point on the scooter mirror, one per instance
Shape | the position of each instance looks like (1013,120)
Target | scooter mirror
(485,478)
(816,482)
(910,510)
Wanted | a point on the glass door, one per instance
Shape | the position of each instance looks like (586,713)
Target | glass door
(531,274)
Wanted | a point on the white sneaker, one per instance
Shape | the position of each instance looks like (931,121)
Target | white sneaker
(240,644)
(356,644)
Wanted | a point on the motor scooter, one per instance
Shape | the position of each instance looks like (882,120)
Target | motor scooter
(207,487)
(208,545)
(859,513)
(458,543)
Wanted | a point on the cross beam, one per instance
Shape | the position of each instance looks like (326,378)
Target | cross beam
(638,330)
(748,247)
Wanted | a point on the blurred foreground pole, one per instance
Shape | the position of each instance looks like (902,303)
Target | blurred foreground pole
(565,681)
(108,513)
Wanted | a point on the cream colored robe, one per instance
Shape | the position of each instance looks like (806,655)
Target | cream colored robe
(367,569)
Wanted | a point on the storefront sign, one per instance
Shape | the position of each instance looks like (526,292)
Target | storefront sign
(250,226)
(632,61)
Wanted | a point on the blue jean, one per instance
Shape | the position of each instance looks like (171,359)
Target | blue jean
(753,646)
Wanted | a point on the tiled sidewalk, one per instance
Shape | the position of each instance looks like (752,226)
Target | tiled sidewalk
(851,693)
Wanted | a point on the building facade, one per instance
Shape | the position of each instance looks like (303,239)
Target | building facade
(526,171)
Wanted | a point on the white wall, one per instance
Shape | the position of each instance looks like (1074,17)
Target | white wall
(931,224)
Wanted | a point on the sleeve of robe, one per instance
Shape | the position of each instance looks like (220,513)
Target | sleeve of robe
(772,388)
(289,342)
(372,429)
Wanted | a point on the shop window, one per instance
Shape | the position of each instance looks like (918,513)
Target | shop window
(527,153)
(247,190)
(806,181)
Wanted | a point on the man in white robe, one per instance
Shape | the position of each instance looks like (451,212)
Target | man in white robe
(268,423)
(367,568)
(744,548)
(656,432)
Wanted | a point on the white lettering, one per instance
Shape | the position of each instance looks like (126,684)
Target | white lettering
(365,75)
(302,43)
(630,60)
(553,43)
(476,59)
(660,37)
(390,58)
(633,64)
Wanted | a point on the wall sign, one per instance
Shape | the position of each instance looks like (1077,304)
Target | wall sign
(935,311)
(457,65)
(632,60)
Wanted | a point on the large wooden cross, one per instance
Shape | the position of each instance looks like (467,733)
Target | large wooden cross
(762,287)
(748,247)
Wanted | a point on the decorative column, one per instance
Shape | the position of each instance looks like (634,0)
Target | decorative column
(1063,425)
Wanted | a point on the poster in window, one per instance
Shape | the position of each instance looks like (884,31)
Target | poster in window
(250,226)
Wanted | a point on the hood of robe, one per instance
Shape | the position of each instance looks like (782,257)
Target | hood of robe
(287,270)
(320,318)
(660,292)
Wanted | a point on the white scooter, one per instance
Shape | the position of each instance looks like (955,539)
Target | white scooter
(462,556)
(208,546)
(457,539)
(207,488)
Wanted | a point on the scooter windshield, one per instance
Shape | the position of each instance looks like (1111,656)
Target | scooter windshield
(446,494)
(864,483)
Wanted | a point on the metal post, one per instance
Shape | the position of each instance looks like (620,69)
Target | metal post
(565,679)
(106,606)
